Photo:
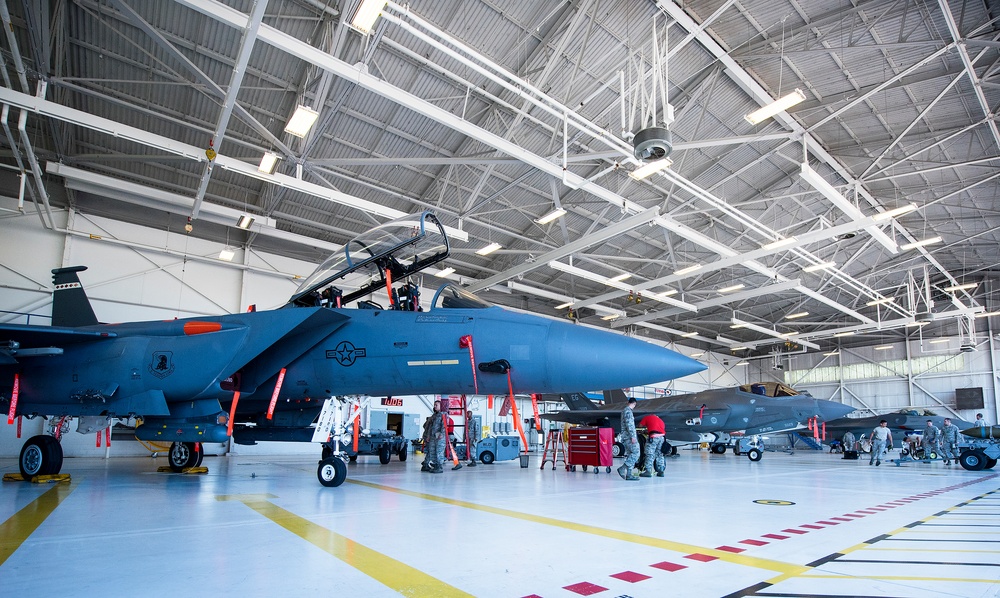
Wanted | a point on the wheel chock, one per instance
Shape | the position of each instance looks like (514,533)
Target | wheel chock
(38,479)
(167,469)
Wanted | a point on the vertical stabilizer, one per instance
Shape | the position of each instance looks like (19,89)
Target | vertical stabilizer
(577,401)
(615,397)
(70,305)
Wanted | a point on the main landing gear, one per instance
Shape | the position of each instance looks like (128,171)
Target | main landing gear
(40,455)
(183,455)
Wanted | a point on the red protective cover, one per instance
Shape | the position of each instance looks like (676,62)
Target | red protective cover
(591,446)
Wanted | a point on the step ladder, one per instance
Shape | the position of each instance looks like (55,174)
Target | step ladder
(555,449)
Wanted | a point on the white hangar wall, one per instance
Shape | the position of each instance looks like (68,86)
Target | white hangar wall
(918,374)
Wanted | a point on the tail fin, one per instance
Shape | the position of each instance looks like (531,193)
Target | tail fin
(615,397)
(70,305)
(577,401)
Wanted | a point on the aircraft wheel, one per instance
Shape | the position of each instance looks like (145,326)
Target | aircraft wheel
(353,458)
(40,455)
(200,453)
(181,456)
(718,449)
(617,449)
(384,453)
(331,472)
(487,457)
(402,453)
(972,460)
(754,454)
(665,448)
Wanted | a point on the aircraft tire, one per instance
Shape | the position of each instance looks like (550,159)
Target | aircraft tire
(384,454)
(754,454)
(990,463)
(972,460)
(718,449)
(40,455)
(181,456)
(665,448)
(201,455)
(617,450)
(487,457)
(331,472)
(402,453)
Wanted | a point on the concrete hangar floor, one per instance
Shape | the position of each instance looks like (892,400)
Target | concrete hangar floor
(802,524)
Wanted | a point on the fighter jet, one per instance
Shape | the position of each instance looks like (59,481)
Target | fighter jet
(710,415)
(901,423)
(265,375)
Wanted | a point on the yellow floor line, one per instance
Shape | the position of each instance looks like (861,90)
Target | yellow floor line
(22,524)
(722,555)
(400,577)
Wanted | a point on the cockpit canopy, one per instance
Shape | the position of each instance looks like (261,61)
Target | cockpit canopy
(400,247)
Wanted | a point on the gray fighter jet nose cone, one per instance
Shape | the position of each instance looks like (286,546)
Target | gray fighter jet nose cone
(831,410)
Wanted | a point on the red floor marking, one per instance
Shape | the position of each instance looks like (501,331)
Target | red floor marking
(630,576)
(878,509)
(775,536)
(668,566)
(871,511)
(810,526)
(825,522)
(852,516)
(702,558)
(839,518)
(753,542)
(792,530)
(585,588)
(532,596)
(731,549)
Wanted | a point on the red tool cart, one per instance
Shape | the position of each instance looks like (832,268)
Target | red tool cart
(591,447)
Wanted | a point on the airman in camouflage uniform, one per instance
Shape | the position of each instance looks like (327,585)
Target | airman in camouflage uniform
(631,441)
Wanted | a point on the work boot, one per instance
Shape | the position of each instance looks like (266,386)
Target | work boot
(437,469)
(877,463)
(472,463)
(423,467)
(623,471)
(659,474)
(645,474)
(631,478)
(459,466)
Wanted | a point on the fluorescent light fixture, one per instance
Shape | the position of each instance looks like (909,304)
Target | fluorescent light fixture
(649,168)
(988,314)
(734,326)
(883,347)
(915,324)
(666,293)
(445,272)
(739,363)
(734,287)
(939,341)
(564,305)
(794,316)
(788,334)
(559,213)
(697,354)
(881,301)
(780,243)
(821,266)
(227,254)
(245,221)
(831,353)
(688,270)
(739,348)
(780,105)
(488,249)
(844,334)
(893,213)
(368,13)
(689,334)
(268,162)
(916,244)
(302,120)
(611,317)
(620,277)
(961,287)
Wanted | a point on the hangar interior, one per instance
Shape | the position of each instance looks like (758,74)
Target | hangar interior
(596,161)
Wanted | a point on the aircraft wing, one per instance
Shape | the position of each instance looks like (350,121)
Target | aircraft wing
(24,340)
